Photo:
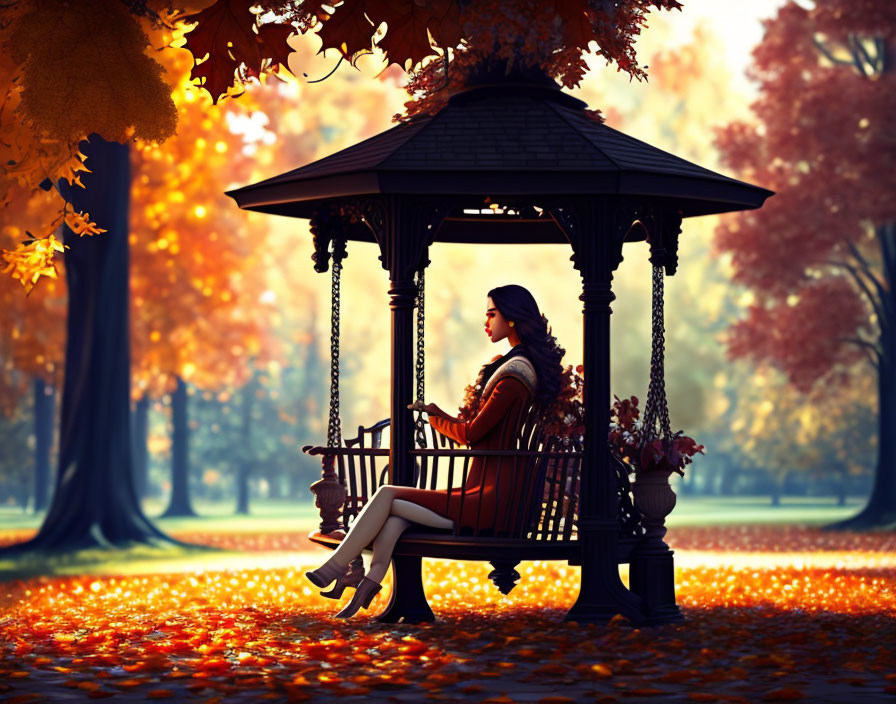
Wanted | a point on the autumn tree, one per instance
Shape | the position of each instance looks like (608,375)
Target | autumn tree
(45,55)
(198,280)
(231,40)
(820,257)
(32,346)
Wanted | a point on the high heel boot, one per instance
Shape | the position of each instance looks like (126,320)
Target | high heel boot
(364,593)
(326,573)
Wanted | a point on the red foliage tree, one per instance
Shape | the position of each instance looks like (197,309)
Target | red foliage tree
(821,256)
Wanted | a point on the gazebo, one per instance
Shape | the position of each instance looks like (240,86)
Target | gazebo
(513,160)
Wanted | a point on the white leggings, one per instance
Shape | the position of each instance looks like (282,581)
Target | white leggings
(383,520)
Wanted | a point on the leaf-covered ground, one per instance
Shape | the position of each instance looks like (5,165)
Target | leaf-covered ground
(811,630)
(724,538)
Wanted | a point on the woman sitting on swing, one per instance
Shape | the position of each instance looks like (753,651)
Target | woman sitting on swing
(530,373)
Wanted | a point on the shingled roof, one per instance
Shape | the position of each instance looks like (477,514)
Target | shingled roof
(512,140)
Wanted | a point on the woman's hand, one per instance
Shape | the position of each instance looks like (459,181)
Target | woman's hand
(431,409)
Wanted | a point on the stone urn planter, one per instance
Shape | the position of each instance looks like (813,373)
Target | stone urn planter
(654,500)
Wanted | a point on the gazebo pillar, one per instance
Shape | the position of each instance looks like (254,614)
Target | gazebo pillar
(405,231)
(596,229)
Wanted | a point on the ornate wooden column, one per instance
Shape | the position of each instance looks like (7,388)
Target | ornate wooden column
(404,229)
(596,229)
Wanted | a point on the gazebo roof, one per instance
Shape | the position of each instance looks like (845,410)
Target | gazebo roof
(511,140)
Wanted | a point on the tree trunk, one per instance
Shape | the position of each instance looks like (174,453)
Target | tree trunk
(275,486)
(880,511)
(141,449)
(298,488)
(180,455)
(686,485)
(94,504)
(729,477)
(44,409)
(245,455)
(777,487)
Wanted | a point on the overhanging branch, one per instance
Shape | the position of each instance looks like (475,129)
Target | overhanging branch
(873,351)
(828,54)
(866,269)
(860,282)
(859,55)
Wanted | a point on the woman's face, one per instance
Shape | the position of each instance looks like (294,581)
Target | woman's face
(496,326)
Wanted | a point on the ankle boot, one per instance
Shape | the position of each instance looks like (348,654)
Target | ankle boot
(364,593)
(326,573)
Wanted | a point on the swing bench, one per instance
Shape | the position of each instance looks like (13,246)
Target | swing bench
(511,159)
(544,530)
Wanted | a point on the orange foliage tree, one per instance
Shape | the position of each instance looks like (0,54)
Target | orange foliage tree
(56,89)
(32,344)
(198,306)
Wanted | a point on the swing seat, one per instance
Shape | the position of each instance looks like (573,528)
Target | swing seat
(546,529)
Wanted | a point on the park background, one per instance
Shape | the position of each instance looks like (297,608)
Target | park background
(246,343)
(270,314)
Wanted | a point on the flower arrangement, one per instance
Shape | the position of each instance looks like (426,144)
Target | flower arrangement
(627,436)
(629,442)
(565,417)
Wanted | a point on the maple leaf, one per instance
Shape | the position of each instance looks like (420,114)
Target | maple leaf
(348,30)
(407,38)
(577,28)
(226,37)
(445,25)
(33,259)
(81,225)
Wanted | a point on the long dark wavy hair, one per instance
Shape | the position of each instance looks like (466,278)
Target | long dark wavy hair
(539,346)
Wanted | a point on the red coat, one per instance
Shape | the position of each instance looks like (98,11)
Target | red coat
(496,494)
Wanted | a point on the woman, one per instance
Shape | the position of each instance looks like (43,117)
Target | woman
(494,494)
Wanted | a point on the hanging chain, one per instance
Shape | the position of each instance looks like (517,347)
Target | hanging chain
(420,362)
(656,408)
(334,426)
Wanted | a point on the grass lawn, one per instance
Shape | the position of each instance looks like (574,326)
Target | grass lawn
(292,516)
(275,533)
(265,516)
(748,510)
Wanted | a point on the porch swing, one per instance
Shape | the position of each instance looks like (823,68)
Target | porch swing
(514,138)
(546,530)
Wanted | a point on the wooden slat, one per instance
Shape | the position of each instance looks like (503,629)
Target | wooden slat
(363,463)
(561,495)
(540,460)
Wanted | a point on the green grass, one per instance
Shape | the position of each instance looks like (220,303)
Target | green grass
(136,559)
(716,510)
(286,517)
(265,516)
(289,517)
